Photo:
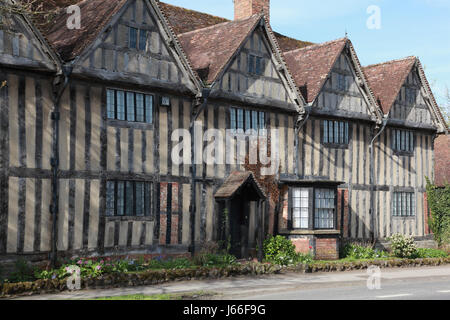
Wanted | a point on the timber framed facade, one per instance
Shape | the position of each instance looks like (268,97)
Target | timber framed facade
(88,118)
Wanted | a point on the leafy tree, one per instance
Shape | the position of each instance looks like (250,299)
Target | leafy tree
(446,107)
(41,12)
(439,203)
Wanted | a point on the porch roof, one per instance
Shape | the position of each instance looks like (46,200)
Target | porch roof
(236,181)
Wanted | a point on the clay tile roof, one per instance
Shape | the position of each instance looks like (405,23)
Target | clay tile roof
(210,49)
(234,182)
(95,15)
(184,20)
(310,66)
(288,44)
(386,80)
(442,156)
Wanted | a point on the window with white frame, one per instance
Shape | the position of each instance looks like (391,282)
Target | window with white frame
(313,208)
(129,198)
(300,208)
(129,106)
(403,204)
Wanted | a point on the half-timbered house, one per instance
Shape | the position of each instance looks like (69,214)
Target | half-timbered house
(91,119)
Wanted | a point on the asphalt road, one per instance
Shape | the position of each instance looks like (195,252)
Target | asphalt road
(427,283)
(433,288)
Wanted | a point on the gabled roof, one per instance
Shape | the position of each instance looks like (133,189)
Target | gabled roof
(311,66)
(210,49)
(185,20)
(386,80)
(235,182)
(442,157)
(95,15)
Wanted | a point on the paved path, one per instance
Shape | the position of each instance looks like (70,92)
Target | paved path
(396,283)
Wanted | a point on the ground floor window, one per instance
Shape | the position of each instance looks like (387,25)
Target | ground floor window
(404,204)
(325,208)
(129,198)
(300,205)
(313,208)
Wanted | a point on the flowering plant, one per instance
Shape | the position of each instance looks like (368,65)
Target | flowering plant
(403,246)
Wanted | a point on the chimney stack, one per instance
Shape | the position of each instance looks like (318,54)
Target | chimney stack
(244,9)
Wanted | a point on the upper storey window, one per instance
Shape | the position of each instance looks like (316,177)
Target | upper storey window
(137,39)
(243,120)
(403,141)
(342,83)
(335,132)
(133,38)
(411,95)
(255,65)
(129,106)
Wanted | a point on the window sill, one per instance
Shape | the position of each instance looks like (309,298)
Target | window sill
(130,124)
(403,153)
(335,146)
(310,232)
(129,218)
(404,218)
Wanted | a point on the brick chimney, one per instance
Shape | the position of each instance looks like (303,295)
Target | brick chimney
(246,8)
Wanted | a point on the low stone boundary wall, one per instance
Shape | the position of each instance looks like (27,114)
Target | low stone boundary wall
(152,277)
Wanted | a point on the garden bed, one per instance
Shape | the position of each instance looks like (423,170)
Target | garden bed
(152,277)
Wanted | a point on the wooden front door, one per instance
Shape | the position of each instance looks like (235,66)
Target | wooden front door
(239,227)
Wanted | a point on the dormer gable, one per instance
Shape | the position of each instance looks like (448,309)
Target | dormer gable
(124,41)
(241,60)
(404,93)
(22,45)
(331,80)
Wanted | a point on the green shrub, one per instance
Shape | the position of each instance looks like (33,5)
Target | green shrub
(304,258)
(279,250)
(93,268)
(210,260)
(424,253)
(354,251)
(403,246)
(179,263)
(23,272)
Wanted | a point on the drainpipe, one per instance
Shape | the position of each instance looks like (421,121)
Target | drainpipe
(205,95)
(54,162)
(372,180)
(300,123)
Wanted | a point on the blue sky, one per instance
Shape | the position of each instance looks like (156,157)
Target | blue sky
(408,27)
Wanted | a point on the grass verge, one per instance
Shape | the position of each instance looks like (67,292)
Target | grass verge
(156,297)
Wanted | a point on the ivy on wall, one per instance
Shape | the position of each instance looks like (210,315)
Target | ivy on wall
(439,203)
